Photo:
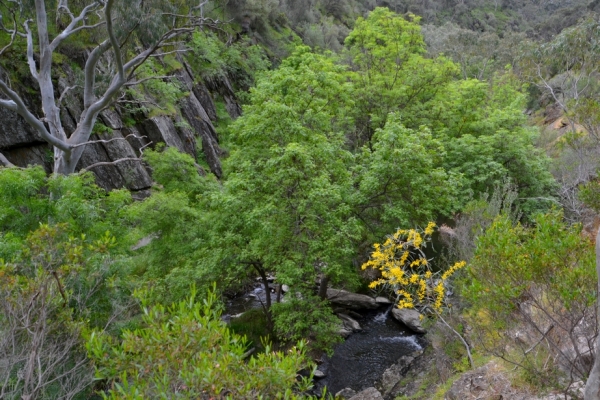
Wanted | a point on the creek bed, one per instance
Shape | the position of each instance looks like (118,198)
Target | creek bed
(360,360)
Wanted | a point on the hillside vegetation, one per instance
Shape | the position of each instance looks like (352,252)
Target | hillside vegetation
(327,127)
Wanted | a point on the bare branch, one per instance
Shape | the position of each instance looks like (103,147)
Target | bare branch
(109,140)
(13,33)
(120,160)
(90,72)
(30,60)
(64,93)
(72,27)
(102,163)
(169,52)
(87,120)
(147,79)
(19,106)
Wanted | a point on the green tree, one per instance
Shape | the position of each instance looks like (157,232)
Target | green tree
(284,205)
(486,137)
(185,351)
(175,226)
(61,271)
(402,180)
(390,71)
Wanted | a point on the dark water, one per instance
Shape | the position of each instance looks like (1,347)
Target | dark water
(361,360)
(252,299)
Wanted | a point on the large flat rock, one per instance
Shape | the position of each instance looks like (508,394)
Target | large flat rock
(409,317)
(351,300)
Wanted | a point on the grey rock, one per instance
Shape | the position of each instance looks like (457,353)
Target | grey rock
(223,86)
(319,374)
(410,318)
(143,242)
(15,131)
(382,300)
(37,154)
(186,133)
(350,300)
(343,332)
(345,393)
(162,130)
(199,121)
(350,323)
(133,172)
(285,288)
(394,374)
(205,98)
(135,138)
(201,92)
(367,394)
(108,176)
(111,119)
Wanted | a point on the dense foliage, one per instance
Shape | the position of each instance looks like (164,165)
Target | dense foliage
(334,150)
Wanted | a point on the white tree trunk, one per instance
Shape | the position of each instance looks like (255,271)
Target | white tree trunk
(68,150)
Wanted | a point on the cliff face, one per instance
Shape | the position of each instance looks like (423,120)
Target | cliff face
(191,126)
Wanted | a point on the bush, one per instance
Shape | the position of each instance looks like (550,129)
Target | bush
(533,291)
(185,351)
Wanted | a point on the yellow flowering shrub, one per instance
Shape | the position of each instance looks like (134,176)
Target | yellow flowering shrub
(406,271)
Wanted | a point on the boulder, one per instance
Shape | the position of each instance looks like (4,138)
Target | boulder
(367,394)
(382,300)
(394,374)
(345,393)
(15,131)
(351,300)
(343,332)
(160,129)
(350,323)
(410,318)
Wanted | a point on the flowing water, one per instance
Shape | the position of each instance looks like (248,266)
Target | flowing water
(362,358)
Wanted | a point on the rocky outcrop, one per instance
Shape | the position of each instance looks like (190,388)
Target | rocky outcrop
(198,118)
(409,317)
(23,146)
(392,377)
(353,301)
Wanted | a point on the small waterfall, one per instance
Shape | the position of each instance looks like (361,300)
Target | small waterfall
(382,316)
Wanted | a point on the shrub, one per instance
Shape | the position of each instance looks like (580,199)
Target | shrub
(185,351)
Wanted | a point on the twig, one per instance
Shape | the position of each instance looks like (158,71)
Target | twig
(542,338)
(460,337)
(109,140)
(120,160)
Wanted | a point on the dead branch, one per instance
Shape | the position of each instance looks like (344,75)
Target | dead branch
(110,140)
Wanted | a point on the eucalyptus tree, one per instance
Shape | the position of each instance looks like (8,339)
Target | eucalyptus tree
(119,36)
(284,207)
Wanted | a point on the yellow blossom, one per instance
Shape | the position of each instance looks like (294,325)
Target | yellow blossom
(430,227)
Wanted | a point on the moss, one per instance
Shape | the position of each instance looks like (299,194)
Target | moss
(58,58)
(253,325)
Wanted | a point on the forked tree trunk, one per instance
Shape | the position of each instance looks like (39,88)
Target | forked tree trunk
(592,386)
